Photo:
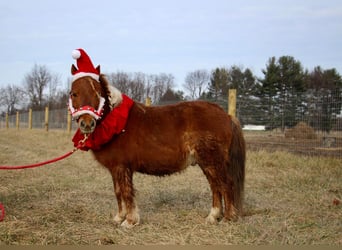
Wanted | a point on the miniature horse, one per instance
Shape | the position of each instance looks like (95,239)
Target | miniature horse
(162,140)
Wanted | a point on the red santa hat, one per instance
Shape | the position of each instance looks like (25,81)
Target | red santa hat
(84,65)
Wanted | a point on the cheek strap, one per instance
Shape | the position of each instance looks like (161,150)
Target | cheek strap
(96,113)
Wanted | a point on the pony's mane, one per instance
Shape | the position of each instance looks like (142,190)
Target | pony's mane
(113,95)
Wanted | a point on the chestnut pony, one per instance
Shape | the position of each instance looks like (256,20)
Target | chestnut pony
(162,140)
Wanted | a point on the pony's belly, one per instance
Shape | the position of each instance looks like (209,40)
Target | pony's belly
(162,168)
(166,162)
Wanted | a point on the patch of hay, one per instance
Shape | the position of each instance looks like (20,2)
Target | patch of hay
(301,131)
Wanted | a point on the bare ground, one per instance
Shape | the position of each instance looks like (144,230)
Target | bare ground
(323,145)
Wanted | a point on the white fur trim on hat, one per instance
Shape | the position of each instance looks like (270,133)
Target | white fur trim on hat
(82,74)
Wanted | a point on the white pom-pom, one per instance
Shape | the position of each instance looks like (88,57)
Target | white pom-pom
(76,54)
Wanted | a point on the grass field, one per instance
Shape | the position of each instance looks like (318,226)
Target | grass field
(289,199)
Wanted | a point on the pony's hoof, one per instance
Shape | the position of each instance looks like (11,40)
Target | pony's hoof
(128,225)
(234,218)
(118,219)
(211,220)
(214,216)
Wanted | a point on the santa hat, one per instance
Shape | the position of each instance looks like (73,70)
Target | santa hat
(84,65)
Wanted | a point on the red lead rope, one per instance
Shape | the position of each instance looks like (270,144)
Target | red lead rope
(80,145)
(2,208)
(39,163)
(2,212)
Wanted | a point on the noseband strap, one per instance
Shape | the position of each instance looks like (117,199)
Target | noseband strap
(96,113)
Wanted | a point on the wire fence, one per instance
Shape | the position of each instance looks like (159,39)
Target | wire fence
(310,131)
(56,119)
(311,126)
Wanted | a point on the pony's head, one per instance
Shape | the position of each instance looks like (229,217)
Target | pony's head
(91,99)
(91,96)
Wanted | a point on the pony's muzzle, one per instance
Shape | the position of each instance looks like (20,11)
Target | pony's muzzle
(87,124)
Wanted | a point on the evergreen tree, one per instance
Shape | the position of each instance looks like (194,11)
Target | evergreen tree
(324,97)
(268,92)
(171,96)
(218,86)
(282,91)
(292,86)
(246,87)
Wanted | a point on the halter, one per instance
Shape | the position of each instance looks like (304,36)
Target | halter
(95,113)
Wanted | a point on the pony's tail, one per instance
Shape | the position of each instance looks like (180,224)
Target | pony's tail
(237,160)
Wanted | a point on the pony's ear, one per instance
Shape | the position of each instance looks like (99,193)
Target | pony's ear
(73,69)
(98,69)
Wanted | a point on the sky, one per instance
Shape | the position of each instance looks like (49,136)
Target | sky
(174,37)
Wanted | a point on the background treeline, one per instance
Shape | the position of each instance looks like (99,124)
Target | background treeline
(285,94)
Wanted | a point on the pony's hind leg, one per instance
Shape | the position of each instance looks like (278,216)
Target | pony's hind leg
(230,212)
(221,185)
(216,209)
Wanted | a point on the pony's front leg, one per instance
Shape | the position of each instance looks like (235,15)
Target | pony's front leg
(121,214)
(129,211)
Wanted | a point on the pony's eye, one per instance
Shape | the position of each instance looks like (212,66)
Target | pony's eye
(72,94)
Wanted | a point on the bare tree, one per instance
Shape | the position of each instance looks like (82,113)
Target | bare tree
(132,84)
(36,82)
(53,87)
(120,80)
(196,82)
(137,86)
(140,85)
(160,84)
(11,97)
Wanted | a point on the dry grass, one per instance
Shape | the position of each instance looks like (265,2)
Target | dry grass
(288,200)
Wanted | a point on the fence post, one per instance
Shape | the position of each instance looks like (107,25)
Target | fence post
(232,102)
(46,118)
(17,120)
(69,120)
(148,101)
(30,119)
(7,122)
